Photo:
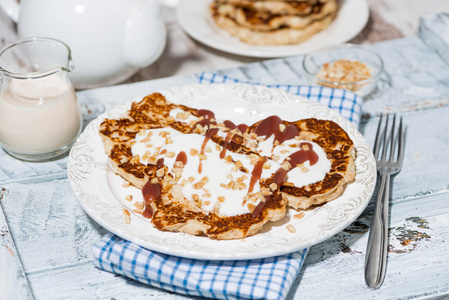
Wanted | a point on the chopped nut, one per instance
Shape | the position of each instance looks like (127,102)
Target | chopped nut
(168,141)
(238,164)
(232,185)
(251,207)
(216,207)
(198,185)
(260,196)
(160,172)
(126,215)
(170,154)
(281,127)
(193,152)
(208,150)
(148,137)
(154,180)
(126,184)
(273,186)
(299,216)
(344,71)
(139,205)
(241,186)
(228,158)
(164,133)
(179,164)
(129,198)
(265,192)
(286,166)
(221,199)
(146,155)
(291,228)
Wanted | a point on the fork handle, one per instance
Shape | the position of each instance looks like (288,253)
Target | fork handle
(376,252)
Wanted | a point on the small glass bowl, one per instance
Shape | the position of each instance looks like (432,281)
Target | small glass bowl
(314,61)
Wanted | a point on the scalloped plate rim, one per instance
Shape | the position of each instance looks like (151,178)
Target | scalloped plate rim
(85,194)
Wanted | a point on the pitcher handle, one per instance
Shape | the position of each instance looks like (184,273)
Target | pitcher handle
(11,8)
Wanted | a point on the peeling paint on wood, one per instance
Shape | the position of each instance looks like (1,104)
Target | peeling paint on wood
(407,237)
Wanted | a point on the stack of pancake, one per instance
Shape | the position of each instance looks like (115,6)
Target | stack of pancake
(273,22)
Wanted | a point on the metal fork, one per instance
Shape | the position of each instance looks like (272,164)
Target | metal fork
(376,252)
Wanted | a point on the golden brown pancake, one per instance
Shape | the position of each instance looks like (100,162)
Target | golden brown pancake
(273,22)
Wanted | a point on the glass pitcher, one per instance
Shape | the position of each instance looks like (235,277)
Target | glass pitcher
(40,117)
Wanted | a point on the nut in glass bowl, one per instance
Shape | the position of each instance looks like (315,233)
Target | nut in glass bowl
(345,66)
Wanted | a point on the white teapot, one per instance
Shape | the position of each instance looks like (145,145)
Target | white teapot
(110,39)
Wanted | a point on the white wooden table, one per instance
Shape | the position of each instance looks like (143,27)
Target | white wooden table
(46,238)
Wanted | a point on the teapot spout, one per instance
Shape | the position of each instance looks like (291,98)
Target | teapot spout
(146,34)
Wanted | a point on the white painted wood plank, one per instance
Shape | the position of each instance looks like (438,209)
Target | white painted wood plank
(84,281)
(50,229)
(432,30)
(13,281)
(421,271)
(425,169)
(413,75)
(284,71)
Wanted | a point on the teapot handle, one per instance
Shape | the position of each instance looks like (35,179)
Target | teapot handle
(146,34)
(11,8)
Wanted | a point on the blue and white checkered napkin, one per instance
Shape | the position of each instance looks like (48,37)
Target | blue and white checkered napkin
(268,278)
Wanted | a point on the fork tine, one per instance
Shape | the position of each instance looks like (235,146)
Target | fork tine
(400,143)
(384,150)
(377,142)
(392,143)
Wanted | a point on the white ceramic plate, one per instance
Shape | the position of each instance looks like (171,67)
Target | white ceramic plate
(195,19)
(102,196)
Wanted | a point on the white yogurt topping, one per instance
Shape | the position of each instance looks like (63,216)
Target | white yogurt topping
(219,172)
(298,176)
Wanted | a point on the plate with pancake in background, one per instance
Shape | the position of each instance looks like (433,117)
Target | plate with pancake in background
(223,171)
(272,28)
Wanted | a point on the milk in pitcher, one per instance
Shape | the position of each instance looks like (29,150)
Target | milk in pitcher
(39,116)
